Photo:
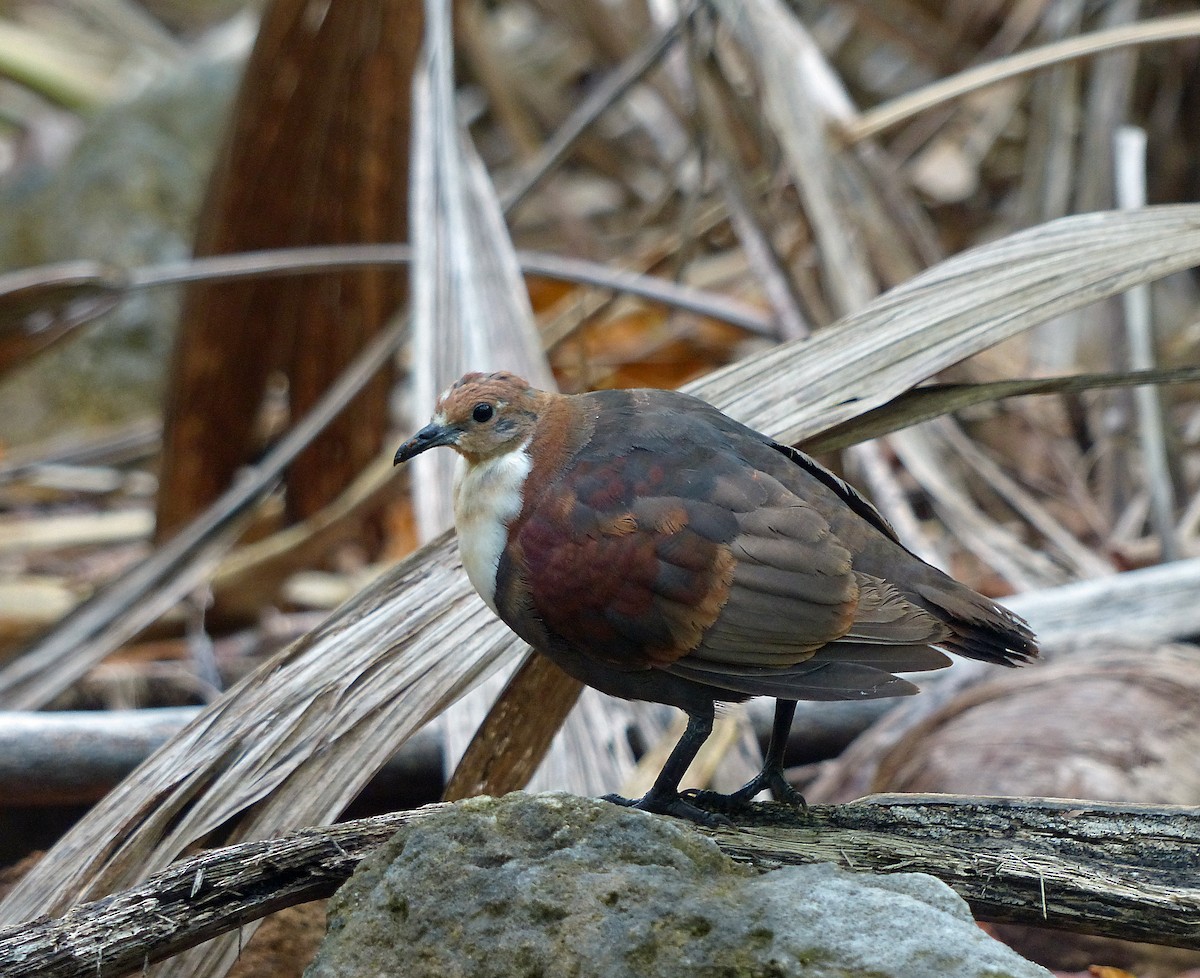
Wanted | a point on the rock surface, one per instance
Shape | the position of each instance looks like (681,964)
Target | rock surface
(555,885)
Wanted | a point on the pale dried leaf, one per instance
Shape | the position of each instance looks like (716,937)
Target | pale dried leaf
(1153,31)
(954,309)
(470,309)
(802,95)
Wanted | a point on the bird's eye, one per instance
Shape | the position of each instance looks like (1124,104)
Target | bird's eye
(483,412)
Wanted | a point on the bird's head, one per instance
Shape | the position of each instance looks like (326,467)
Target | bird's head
(479,416)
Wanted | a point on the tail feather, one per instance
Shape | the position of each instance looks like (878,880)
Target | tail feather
(981,628)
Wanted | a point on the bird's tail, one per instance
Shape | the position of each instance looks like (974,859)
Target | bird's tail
(981,629)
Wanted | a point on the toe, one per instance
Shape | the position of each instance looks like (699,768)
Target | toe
(742,799)
(672,805)
(783,792)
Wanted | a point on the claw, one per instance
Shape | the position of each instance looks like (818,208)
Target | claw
(673,805)
(741,799)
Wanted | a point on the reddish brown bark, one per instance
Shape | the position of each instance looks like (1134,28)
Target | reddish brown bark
(317,153)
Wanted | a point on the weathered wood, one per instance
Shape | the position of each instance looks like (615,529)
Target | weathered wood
(197,898)
(514,738)
(75,757)
(1118,870)
(1115,870)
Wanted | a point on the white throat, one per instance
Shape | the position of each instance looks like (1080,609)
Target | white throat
(487,497)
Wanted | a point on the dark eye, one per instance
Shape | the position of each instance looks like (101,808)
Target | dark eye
(483,412)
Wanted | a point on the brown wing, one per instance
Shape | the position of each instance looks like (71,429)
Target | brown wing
(644,540)
(763,643)
(676,549)
(668,543)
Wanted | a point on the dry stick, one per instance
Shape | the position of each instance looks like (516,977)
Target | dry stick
(301,261)
(892,113)
(1082,560)
(530,709)
(605,95)
(566,318)
(1130,152)
(745,217)
(995,543)
(121,445)
(1124,871)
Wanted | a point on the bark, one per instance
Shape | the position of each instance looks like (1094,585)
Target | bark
(1124,871)
(317,154)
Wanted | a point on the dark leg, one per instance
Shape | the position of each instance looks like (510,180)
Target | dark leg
(663,797)
(771,775)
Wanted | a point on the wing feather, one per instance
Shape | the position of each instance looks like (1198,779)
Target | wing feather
(884,615)
(807,681)
(695,552)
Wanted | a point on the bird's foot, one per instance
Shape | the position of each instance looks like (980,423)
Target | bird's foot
(741,799)
(672,804)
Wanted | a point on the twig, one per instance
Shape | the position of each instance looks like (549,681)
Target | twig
(1130,152)
(84,275)
(123,445)
(1084,561)
(745,217)
(603,97)
(892,113)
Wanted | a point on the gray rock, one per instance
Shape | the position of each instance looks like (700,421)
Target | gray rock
(555,885)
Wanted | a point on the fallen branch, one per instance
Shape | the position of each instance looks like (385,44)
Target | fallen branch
(1123,871)
(69,757)
(1113,870)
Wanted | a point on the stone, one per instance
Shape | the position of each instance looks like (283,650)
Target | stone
(555,885)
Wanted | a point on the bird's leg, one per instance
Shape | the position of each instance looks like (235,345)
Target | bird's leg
(663,797)
(771,776)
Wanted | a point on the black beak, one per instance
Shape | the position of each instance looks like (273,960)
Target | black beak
(431,436)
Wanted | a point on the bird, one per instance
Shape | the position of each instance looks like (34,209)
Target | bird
(657,549)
